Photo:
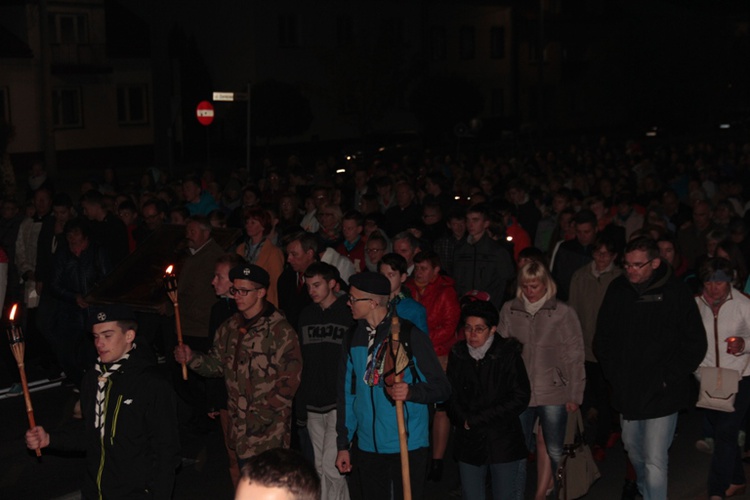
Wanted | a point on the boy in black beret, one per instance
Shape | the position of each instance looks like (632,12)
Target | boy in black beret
(129,416)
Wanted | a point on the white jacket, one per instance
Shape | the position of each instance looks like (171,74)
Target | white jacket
(733,320)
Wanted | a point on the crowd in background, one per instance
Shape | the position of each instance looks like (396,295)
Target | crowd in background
(539,237)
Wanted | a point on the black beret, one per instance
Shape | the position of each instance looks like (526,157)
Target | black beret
(109,312)
(370,282)
(250,272)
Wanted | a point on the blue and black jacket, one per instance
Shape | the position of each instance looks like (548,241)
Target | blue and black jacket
(368,412)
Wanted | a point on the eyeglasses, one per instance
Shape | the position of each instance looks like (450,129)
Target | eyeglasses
(476,329)
(628,265)
(353,300)
(374,250)
(242,292)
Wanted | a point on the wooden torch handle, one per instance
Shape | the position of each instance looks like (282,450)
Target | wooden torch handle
(27,398)
(402,440)
(178,326)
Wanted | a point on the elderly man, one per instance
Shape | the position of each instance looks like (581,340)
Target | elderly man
(257,352)
(366,394)
(407,246)
(129,426)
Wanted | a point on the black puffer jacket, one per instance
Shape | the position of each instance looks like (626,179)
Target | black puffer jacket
(489,395)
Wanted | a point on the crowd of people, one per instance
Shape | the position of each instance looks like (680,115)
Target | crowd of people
(595,279)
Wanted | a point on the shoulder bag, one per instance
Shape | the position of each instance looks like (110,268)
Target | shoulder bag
(577,470)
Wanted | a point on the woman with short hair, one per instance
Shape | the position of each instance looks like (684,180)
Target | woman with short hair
(553,353)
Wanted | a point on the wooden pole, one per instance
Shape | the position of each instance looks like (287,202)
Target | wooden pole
(18,348)
(402,439)
(170,283)
(178,326)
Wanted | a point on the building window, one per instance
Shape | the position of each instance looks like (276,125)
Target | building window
(288,31)
(4,105)
(497,42)
(132,105)
(466,42)
(68,28)
(344,31)
(66,107)
(438,47)
(497,104)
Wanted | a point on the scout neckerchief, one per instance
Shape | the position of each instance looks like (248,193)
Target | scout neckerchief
(105,372)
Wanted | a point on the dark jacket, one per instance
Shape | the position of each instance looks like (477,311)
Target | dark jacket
(648,344)
(292,299)
(78,275)
(140,450)
(489,395)
(111,234)
(570,257)
(484,265)
(322,332)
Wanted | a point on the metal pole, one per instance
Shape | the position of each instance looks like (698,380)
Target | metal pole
(208,148)
(247,159)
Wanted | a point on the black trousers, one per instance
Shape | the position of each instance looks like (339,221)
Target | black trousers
(379,472)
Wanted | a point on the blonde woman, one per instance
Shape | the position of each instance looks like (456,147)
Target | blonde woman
(554,357)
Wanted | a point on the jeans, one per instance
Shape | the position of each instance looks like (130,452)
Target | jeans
(504,480)
(553,420)
(726,461)
(647,443)
(322,430)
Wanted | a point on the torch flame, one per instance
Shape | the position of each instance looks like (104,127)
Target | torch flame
(13,312)
(169,269)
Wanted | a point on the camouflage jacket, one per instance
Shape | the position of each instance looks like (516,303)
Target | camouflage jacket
(261,363)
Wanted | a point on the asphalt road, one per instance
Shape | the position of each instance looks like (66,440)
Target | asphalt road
(204,476)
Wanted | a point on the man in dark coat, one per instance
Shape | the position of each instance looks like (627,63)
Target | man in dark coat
(649,340)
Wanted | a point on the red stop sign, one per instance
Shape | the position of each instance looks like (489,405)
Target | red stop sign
(205,113)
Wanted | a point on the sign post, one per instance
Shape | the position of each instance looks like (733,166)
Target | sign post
(239,96)
(205,114)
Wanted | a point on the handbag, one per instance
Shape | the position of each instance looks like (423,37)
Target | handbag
(577,470)
(719,385)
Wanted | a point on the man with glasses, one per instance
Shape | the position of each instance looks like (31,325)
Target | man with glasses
(366,394)
(258,353)
(649,341)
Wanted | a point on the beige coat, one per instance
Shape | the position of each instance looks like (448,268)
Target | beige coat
(552,350)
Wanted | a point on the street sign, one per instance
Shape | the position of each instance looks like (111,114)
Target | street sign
(205,113)
(230,96)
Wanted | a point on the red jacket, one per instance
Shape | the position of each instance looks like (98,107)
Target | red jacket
(443,311)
